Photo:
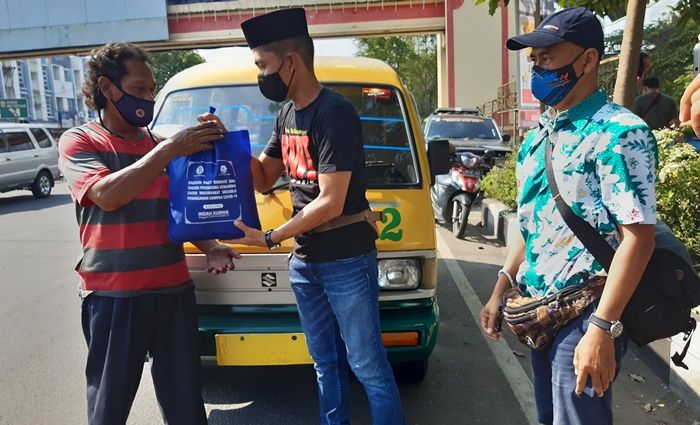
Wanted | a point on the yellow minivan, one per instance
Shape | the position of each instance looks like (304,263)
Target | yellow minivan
(249,316)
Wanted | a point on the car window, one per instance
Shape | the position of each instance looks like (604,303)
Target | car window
(462,128)
(390,157)
(42,139)
(3,144)
(18,140)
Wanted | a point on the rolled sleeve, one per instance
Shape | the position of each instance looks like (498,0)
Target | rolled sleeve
(626,166)
(81,164)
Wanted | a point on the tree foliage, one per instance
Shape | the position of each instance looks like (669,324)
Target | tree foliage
(415,60)
(678,189)
(670,45)
(613,9)
(688,10)
(167,64)
(500,183)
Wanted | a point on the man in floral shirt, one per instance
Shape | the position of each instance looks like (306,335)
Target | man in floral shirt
(604,159)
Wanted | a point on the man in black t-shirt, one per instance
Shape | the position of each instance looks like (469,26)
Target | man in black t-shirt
(317,140)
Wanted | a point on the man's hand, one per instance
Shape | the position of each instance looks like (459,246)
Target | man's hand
(595,357)
(194,139)
(690,106)
(209,117)
(251,236)
(489,318)
(220,259)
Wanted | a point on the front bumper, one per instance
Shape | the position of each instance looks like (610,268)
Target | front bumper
(397,316)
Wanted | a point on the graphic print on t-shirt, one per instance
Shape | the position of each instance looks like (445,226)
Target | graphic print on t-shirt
(297,158)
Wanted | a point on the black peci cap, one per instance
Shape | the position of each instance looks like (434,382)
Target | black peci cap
(577,25)
(275,26)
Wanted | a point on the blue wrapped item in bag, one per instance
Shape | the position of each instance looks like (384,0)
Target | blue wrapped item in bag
(211,189)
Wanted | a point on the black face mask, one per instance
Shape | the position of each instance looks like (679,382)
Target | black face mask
(272,87)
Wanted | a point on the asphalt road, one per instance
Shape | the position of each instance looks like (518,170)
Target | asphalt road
(42,352)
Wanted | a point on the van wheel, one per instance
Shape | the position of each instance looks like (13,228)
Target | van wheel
(414,371)
(41,188)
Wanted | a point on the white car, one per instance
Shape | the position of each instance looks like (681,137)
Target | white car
(28,159)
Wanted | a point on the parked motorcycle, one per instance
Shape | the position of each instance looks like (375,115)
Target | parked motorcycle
(454,193)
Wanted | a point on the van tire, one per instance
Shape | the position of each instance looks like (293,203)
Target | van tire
(43,183)
(413,371)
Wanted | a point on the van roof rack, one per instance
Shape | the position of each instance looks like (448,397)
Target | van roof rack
(468,111)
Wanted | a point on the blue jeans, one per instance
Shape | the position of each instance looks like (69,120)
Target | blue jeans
(554,380)
(339,308)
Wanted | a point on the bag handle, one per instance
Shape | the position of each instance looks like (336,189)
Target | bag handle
(651,105)
(591,239)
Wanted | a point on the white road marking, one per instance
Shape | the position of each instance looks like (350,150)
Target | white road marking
(515,374)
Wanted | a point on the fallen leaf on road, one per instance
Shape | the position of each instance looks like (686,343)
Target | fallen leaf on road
(648,407)
(637,378)
(660,405)
(518,354)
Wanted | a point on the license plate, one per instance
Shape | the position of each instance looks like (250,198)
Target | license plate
(261,349)
(472,173)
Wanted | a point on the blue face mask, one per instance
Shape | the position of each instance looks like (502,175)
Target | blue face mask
(552,86)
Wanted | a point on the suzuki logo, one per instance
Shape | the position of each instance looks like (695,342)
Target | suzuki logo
(269,280)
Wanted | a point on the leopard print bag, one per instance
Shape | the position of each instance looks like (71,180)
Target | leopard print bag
(536,320)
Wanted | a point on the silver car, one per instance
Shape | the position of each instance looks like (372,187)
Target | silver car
(28,159)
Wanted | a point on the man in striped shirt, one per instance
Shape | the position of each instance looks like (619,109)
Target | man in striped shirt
(138,299)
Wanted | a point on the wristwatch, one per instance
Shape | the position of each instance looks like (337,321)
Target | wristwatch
(268,240)
(614,328)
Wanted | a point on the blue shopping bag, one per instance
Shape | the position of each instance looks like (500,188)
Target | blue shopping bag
(211,189)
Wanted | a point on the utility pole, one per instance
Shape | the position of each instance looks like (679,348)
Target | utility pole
(625,83)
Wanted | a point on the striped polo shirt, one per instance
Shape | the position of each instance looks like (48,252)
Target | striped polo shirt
(127,249)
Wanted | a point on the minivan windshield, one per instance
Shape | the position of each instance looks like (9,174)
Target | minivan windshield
(461,127)
(390,157)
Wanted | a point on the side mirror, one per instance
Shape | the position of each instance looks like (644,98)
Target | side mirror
(505,138)
(438,158)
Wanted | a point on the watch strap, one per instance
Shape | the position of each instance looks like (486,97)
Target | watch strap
(603,324)
(268,240)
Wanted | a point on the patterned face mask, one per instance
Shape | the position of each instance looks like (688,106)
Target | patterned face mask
(136,111)
(552,86)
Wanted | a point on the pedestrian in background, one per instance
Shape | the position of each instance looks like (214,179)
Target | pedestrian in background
(603,159)
(655,108)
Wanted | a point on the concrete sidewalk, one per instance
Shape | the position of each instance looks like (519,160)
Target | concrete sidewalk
(641,396)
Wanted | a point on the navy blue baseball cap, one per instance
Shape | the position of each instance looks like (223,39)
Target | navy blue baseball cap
(577,25)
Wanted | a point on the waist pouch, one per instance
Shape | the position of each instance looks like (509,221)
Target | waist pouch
(536,320)
(211,189)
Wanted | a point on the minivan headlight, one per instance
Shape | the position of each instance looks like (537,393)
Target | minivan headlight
(399,274)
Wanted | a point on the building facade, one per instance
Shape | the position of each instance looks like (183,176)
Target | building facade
(51,86)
